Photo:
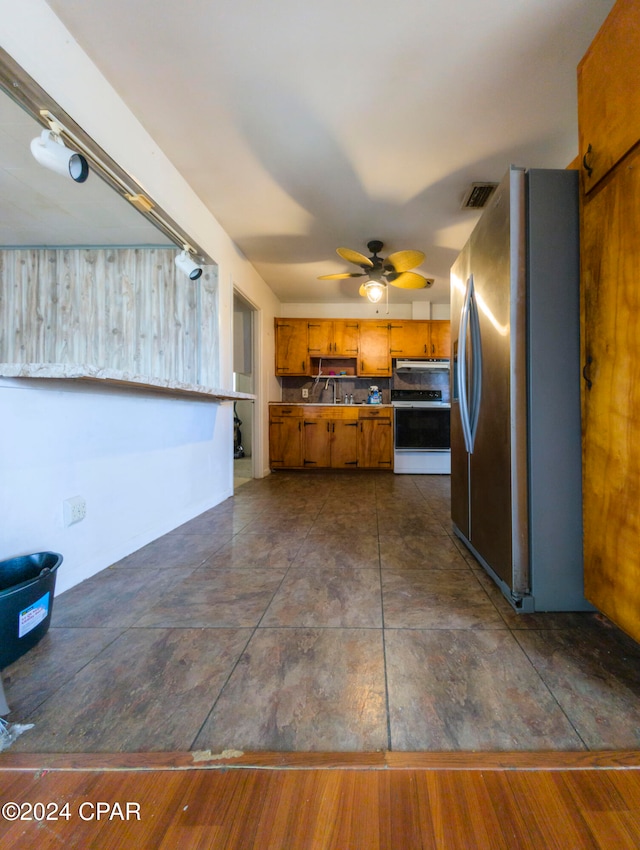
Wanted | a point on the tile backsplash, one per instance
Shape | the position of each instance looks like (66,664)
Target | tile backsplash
(359,387)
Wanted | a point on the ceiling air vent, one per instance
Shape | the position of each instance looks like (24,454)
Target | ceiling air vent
(478,195)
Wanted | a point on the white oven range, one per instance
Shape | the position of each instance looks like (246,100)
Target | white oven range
(422,442)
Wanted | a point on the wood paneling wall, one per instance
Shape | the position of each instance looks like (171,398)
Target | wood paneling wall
(120,308)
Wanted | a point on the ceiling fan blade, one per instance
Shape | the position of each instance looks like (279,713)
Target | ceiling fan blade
(409,280)
(354,257)
(402,261)
(341,275)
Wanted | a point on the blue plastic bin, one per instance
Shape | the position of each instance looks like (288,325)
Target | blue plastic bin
(27,585)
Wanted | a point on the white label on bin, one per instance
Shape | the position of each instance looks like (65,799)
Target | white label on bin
(33,615)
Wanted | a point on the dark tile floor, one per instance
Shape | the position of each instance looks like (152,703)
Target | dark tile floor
(319,612)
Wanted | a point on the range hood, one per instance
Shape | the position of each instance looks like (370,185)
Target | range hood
(441,365)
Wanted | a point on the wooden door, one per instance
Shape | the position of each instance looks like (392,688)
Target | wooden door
(346,337)
(317,442)
(609,93)
(344,448)
(409,339)
(440,338)
(374,359)
(320,337)
(375,442)
(611,396)
(285,442)
(292,357)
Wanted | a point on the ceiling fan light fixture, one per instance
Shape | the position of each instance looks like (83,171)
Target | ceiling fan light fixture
(374,290)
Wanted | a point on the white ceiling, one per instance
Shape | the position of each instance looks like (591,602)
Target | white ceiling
(307,125)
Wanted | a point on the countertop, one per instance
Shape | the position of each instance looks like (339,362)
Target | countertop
(327,404)
(115,377)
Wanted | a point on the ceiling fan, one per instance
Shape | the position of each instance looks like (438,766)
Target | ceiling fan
(394,270)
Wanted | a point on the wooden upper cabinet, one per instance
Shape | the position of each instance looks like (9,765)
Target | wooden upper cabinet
(417,338)
(609,93)
(440,339)
(333,337)
(371,343)
(292,355)
(410,339)
(374,359)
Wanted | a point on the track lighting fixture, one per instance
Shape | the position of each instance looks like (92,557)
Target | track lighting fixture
(188,266)
(49,150)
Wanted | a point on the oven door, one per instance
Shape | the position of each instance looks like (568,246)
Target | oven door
(422,429)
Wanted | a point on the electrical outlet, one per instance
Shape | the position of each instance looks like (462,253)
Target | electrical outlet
(74,509)
(305,392)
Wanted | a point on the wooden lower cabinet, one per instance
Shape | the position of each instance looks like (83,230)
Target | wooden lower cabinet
(330,443)
(375,439)
(310,437)
(285,437)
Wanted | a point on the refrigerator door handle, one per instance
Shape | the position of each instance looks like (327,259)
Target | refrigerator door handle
(462,365)
(476,383)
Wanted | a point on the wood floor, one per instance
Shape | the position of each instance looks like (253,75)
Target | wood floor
(316,802)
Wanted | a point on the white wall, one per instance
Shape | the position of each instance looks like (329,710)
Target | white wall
(144,463)
(365,310)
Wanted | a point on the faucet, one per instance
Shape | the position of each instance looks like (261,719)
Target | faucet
(333,384)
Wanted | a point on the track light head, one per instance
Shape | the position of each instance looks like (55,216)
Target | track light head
(49,150)
(188,266)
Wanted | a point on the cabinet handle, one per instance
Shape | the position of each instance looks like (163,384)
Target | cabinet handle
(433,348)
(585,372)
(588,168)
(425,348)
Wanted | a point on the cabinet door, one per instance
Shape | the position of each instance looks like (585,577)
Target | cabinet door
(410,339)
(609,93)
(611,396)
(292,356)
(317,442)
(375,443)
(285,442)
(344,446)
(440,338)
(320,337)
(346,337)
(374,359)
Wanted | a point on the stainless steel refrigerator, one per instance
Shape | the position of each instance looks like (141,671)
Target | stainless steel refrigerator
(516,490)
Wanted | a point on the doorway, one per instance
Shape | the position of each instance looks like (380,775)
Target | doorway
(243,381)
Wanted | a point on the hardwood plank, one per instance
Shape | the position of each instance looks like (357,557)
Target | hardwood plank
(320,808)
